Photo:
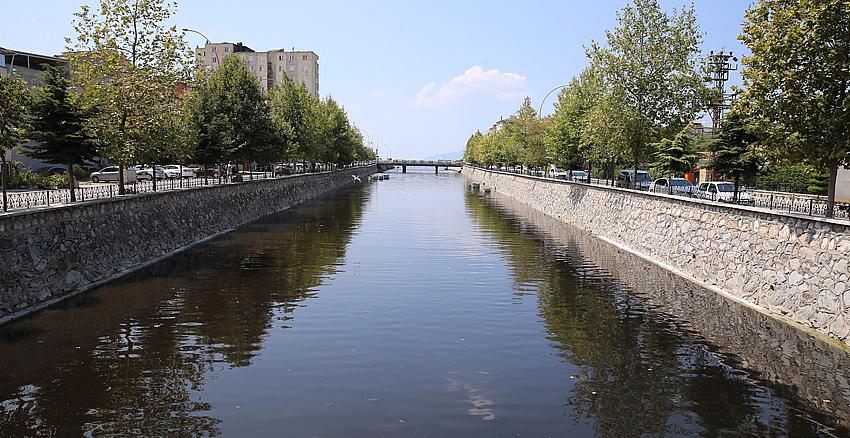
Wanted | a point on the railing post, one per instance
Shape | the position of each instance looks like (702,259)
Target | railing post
(811,203)
(771,202)
(47,194)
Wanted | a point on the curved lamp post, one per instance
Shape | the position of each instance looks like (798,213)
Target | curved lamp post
(540,111)
(186,29)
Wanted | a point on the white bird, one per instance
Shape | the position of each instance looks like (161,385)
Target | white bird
(356,178)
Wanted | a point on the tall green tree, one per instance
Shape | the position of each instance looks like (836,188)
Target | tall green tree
(229,117)
(296,113)
(796,80)
(675,157)
(567,147)
(734,153)
(58,125)
(15,98)
(650,63)
(525,131)
(126,61)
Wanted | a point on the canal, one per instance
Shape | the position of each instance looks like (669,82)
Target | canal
(413,307)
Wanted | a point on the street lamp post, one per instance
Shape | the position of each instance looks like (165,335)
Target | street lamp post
(186,29)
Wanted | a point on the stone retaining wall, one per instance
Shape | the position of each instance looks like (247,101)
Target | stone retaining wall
(51,254)
(789,265)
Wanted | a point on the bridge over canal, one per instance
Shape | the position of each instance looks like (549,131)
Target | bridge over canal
(420,163)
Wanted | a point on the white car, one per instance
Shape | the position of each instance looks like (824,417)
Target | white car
(146,173)
(723,191)
(579,176)
(557,173)
(111,174)
(176,169)
(673,186)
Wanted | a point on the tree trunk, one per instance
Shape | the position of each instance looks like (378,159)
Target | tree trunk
(634,175)
(3,177)
(737,181)
(830,200)
(71,182)
(121,179)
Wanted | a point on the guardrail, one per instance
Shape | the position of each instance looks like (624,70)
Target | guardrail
(17,201)
(809,205)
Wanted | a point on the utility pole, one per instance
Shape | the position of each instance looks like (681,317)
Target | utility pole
(717,68)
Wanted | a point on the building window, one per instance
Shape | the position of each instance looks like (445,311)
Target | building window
(292,69)
(215,59)
(280,58)
(279,68)
(304,57)
(213,49)
(291,58)
(226,49)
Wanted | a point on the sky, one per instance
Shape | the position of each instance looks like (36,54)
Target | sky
(418,78)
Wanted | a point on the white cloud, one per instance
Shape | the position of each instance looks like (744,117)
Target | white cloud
(473,82)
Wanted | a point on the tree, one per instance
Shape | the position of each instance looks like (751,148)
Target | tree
(229,117)
(294,112)
(126,62)
(733,155)
(567,147)
(13,121)
(649,63)
(675,157)
(818,183)
(796,81)
(57,126)
(602,125)
(524,131)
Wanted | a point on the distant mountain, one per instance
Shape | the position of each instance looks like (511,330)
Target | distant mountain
(456,155)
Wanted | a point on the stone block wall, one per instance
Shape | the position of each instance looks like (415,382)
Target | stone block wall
(50,254)
(795,266)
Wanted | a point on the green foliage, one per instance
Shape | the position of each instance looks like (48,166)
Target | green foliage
(734,153)
(15,98)
(675,157)
(796,80)
(649,66)
(228,116)
(792,178)
(128,64)
(569,147)
(58,125)
(818,183)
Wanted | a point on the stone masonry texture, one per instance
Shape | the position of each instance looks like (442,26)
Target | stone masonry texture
(788,265)
(49,254)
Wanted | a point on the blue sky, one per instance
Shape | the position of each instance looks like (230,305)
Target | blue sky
(417,77)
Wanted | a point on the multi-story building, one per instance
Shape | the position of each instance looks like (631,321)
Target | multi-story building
(269,67)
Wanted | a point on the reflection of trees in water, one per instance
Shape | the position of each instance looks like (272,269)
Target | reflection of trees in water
(641,371)
(130,363)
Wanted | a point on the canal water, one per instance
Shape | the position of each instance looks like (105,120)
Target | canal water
(413,307)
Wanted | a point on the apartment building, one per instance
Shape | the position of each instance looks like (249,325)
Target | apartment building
(269,67)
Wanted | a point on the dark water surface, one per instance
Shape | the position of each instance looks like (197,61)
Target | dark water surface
(411,307)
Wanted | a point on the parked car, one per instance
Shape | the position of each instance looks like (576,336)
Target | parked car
(557,173)
(580,176)
(673,186)
(146,172)
(723,191)
(110,173)
(52,170)
(179,171)
(624,179)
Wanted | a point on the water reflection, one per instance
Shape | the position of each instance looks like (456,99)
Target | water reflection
(662,355)
(132,357)
(412,308)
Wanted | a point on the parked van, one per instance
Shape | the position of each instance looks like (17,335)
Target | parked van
(723,191)
(624,179)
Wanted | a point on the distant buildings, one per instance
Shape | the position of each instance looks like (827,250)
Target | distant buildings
(498,126)
(269,67)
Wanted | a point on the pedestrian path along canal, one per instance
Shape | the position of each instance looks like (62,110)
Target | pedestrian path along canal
(413,307)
